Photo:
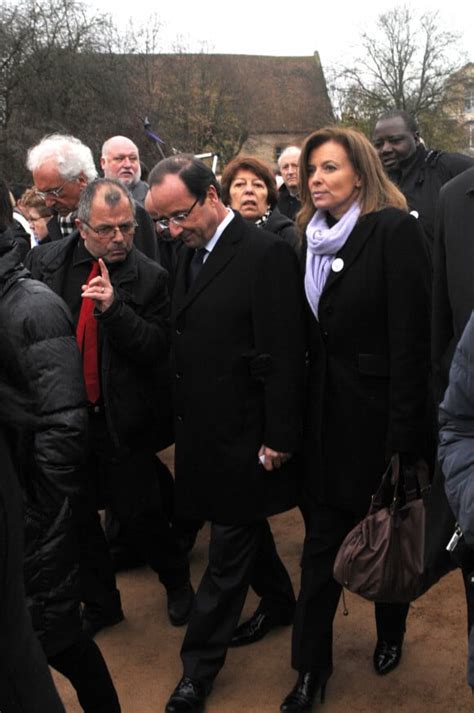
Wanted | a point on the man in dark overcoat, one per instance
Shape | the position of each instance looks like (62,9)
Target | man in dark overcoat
(453,302)
(124,341)
(419,172)
(238,357)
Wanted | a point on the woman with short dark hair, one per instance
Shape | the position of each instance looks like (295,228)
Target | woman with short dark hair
(37,212)
(249,186)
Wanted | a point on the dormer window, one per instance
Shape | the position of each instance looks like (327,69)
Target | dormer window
(469,99)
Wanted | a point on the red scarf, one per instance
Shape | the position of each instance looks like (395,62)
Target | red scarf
(86,335)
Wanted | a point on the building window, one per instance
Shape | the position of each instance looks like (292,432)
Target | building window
(470,136)
(278,152)
(469,99)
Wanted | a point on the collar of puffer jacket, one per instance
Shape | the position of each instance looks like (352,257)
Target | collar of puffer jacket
(11,267)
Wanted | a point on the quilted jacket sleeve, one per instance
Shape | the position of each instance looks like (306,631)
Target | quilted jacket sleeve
(51,367)
(456,447)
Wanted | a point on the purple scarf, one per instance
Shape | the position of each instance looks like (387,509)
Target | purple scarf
(323,245)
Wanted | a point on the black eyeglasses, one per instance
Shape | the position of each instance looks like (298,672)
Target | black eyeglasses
(108,231)
(164,223)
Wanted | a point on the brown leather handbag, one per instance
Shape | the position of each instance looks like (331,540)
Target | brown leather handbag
(382,558)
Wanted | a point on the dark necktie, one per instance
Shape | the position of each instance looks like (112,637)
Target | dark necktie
(86,335)
(195,265)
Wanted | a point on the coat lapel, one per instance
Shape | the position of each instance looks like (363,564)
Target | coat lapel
(223,252)
(351,249)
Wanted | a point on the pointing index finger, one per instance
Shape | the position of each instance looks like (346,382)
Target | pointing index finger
(103,269)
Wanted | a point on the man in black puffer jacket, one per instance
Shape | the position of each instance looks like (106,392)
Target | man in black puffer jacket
(39,355)
(26,685)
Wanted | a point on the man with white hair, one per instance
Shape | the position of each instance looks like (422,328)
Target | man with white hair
(288,163)
(120,159)
(62,166)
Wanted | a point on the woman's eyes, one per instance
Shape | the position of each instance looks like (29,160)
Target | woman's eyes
(244,185)
(326,167)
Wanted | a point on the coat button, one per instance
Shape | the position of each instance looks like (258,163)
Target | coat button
(179,418)
(178,332)
(178,375)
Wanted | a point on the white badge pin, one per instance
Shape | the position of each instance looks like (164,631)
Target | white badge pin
(337,265)
(414,213)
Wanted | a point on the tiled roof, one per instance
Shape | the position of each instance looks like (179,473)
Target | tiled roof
(279,94)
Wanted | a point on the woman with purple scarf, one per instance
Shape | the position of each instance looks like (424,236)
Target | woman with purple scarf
(367,282)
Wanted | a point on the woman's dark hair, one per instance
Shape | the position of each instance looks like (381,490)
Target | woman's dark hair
(31,199)
(248,163)
(6,208)
(196,176)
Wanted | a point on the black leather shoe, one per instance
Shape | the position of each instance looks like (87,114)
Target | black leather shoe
(387,656)
(258,626)
(189,696)
(93,621)
(180,603)
(302,696)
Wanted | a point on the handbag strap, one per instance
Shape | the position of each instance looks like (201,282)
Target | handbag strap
(416,480)
(410,483)
(391,476)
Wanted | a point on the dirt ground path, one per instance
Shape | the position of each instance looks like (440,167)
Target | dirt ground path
(143,651)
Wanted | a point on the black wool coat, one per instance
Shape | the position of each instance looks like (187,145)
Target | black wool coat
(281,225)
(453,284)
(238,357)
(369,361)
(421,177)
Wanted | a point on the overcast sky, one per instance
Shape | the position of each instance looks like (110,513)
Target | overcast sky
(280,28)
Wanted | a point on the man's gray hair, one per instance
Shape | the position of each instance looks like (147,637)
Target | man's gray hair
(289,149)
(70,155)
(113,194)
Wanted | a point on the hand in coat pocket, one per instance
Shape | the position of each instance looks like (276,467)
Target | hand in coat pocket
(271,459)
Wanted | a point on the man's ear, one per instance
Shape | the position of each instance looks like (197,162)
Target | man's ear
(212,194)
(102,163)
(80,227)
(82,180)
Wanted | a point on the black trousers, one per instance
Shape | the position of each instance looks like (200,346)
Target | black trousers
(270,579)
(128,483)
(312,645)
(220,598)
(26,685)
(84,666)
(122,542)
